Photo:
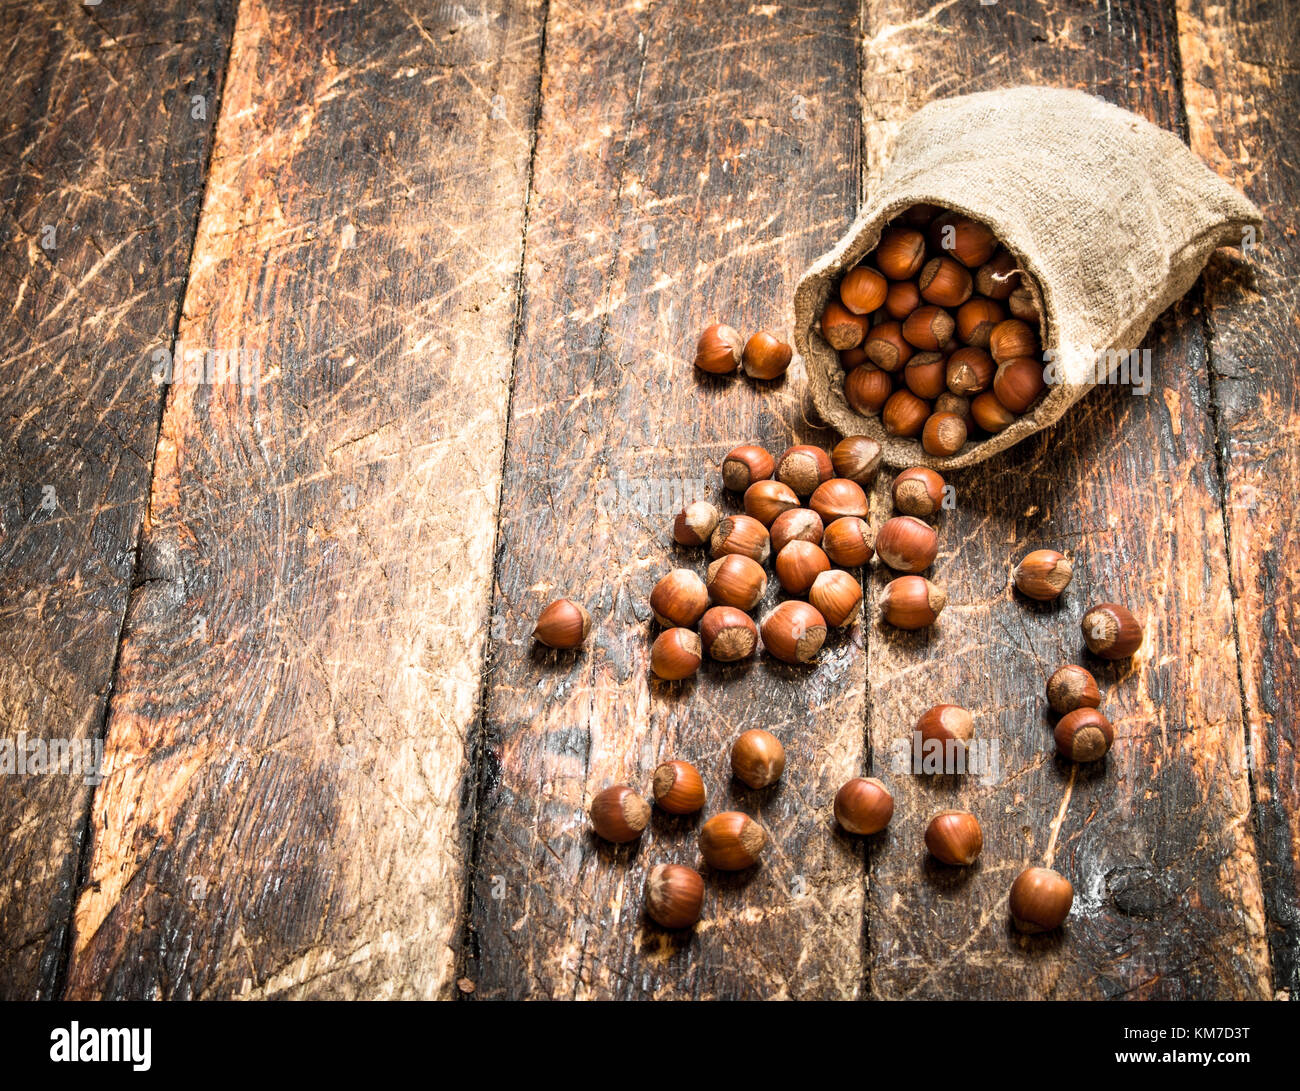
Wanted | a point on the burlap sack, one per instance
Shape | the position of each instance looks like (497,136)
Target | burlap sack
(1112,218)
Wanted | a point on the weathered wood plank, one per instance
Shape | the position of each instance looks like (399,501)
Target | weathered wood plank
(102,153)
(1157,841)
(281,814)
(690,161)
(1243,110)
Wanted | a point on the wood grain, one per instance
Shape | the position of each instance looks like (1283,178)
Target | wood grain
(690,162)
(1157,839)
(281,809)
(1243,111)
(102,152)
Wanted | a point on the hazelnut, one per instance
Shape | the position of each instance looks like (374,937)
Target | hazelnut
(758,758)
(1072,687)
(948,402)
(841,327)
(954,837)
(863,805)
(794,632)
(766,356)
(920,215)
(905,414)
(918,491)
(945,282)
(1111,631)
(563,624)
(857,458)
(976,319)
(863,290)
(1042,574)
(765,500)
(902,299)
(998,276)
(835,595)
(796,524)
(803,468)
(718,350)
(1018,383)
(900,252)
(744,465)
(736,580)
(906,544)
(970,242)
(741,534)
(618,814)
(674,895)
(1012,338)
(848,542)
(851,358)
(837,498)
(911,602)
(926,374)
(886,347)
(678,787)
(728,634)
(866,389)
(1040,900)
(731,841)
(989,413)
(1022,306)
(944,434)
(798,564)
(1083,735)
(695,525)
(946,723)
(970,371)
(676,654)
(679,598)
(928,328)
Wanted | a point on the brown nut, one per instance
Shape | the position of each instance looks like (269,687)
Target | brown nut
(835,595)
(926,374)
(945,282)
(851,358)
(798,564)
(944,434)
(857,458)
(948,402)
(866,389)
(928,328)
(904,414)
(765,500)
(1072,687)
(1040,900)
(618,814)
(563,624)
(803,468)
(1022,306)
(863,290)
(848,542)
(676,654)
(695,525)
(736,580)
(1083,735)
(970,371)
(1012,338)
(765,356)
(911,602)
(918,491)
(794,632)
(902,299)
(1111,631)
(976,319)
(731,841)
(954,837)
(728,634)
(679,598)
(900,252)
(718,350)
(841,327)
(886,347)
(742,534)
(794,525)
(997,278)
(674,895)
(1018,383)
(906,544)
(1042,574)
(946,723)
(744,465)
(678,787)
(837,498)
(864,806)
(758,758)
(969,241)
(989,413)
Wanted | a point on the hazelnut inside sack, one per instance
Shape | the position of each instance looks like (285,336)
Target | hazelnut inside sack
(1044,269)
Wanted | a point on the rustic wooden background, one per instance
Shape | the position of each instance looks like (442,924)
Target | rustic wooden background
(470,246)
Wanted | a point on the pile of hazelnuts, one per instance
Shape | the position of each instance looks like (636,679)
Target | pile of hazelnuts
(936,331)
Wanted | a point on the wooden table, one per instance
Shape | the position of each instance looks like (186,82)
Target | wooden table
(465,251)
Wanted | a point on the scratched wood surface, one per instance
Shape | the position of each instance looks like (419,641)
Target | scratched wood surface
(102,156)
(466,252)
(1243,93)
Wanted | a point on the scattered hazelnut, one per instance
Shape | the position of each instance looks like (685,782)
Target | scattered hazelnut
(618,814)
(848,542)
(838,497)
(1111,631)
(841,327)
(795,524)
(758,758)
(911,602)
(718,350)
(944,434)
(798,564)
(904,414)
(674,895)
(563,624)
(857,458)
(744,465)
(906,544)
(946,723)
(766,356)
(886,347)
(794,632)
(835,595)
(731,841)
(1072,687)
(900,252)
(1042,574)
(918,491)
(728,634)
(1040,900)
(866,389)
(741,534)
(803,468)
(736,580)
(928,328)
(945,282)
(863,805)
(678,787)
(863,290)
(1083,735)
(954,837)
(676,654)
(695,525)
(765,500)
(679,598)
